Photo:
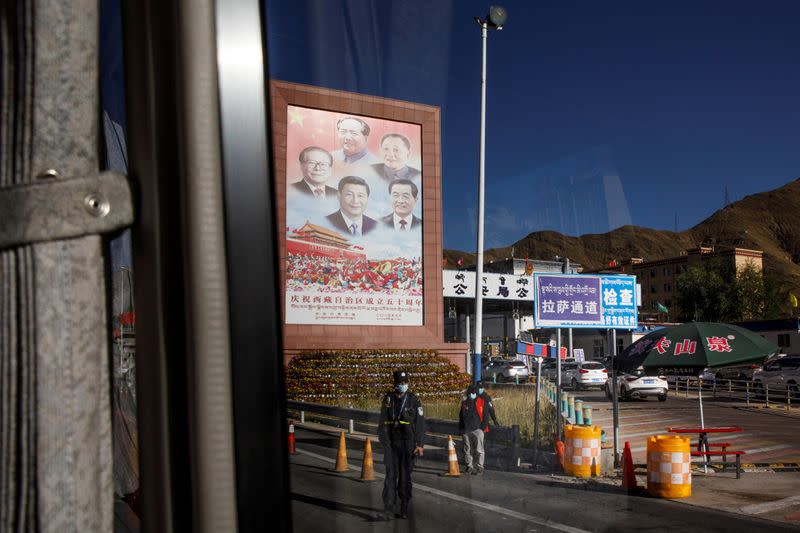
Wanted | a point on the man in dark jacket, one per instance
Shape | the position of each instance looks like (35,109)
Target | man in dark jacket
(473,421)
(487,402)
(402,433)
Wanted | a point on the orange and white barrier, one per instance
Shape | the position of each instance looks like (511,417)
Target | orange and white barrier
(582,450)
(669,466)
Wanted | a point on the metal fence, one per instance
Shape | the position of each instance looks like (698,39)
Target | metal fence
(745,391)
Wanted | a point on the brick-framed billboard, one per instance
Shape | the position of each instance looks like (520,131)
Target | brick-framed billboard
(358,204)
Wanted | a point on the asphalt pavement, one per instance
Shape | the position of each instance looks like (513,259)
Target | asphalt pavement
(323,500)
(770,436)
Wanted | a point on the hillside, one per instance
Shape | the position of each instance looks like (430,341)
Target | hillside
(765,221)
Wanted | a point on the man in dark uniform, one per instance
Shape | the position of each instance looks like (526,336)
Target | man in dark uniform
(402,434)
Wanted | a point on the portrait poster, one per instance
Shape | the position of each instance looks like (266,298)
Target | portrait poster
(353,220)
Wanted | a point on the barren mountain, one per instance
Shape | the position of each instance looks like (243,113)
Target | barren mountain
(767,221)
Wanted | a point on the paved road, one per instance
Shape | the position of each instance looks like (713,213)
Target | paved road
(325,501)
(770,436)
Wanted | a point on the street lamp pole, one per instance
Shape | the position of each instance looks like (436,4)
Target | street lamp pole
(479,261)
(495,20)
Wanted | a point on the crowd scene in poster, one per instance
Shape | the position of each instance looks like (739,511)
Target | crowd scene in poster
(353,219)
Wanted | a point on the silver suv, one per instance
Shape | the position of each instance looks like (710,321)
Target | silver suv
(505,370)
(780,374)
(584,375)
(736,372)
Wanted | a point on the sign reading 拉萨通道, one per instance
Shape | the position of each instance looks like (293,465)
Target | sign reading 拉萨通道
(585,301)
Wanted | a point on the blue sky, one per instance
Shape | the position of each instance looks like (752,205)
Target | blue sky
(600,113)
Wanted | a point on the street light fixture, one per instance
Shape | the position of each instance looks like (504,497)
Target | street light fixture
(495,19)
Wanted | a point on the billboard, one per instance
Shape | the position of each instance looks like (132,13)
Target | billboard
(585,301)
(353,219)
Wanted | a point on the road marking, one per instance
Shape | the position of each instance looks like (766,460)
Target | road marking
(470,501)
(768,449)
(623,425)
(624,416)
(760,508)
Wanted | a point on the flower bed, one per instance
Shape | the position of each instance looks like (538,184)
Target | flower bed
(332,375)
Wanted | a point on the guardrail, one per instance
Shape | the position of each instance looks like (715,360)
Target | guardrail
(749,392)
(503,448)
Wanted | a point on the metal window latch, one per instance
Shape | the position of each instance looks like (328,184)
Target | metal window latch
(51,209)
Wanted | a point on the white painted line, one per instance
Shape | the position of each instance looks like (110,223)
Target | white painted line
(623,416)
(760,508)
(469,501)
(624,425)
(640,421)
(769,449)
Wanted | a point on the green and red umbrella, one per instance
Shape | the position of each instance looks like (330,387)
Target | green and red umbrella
(687,349)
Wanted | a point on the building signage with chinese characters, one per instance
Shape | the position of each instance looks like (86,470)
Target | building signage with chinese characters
(461,284)
(578,301)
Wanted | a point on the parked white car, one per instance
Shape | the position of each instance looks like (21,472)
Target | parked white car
(639,385)
(584,375)
(505,370)
(779,374)
(550,368)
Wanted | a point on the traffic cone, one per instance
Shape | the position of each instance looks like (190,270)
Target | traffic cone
(341,457)
(628,475)
(560,453)
(292,449)
(367,468)
(452,459)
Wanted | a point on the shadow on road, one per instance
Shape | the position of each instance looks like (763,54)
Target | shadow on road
(367,513)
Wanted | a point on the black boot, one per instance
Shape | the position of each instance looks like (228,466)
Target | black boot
(404,510)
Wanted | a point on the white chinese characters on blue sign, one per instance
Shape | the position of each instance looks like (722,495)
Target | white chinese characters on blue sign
(578,301)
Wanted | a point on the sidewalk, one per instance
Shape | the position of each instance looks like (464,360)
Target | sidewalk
(766,495)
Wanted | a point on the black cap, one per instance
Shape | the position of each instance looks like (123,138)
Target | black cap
(400,376)
(479,384)
(472,388)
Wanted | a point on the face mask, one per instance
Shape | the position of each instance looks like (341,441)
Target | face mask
(472,395)
(402,387)
(480,391)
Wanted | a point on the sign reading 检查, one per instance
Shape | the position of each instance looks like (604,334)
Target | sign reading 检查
(461,284)
(585,301)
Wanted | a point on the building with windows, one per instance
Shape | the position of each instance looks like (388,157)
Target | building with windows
(518,266)
(783,332)
(658,278)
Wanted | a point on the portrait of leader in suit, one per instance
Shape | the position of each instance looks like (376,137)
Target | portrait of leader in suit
(403,195)
(315,164)
(353,200)
(395,150)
